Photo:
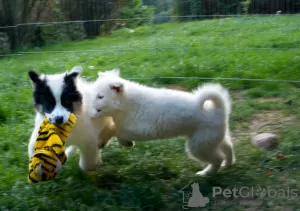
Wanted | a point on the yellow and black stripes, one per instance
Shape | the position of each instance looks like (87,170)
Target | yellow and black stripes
(42,167)
(49,150)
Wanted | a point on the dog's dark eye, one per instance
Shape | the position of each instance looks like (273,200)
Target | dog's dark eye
(100,97)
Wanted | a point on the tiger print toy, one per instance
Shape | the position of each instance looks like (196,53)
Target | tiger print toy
(49,154)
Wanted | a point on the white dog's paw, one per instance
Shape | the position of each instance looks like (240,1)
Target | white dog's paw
(233,160)
(202,173)
(90,166)
(127,143)
(226,164)
(209,170)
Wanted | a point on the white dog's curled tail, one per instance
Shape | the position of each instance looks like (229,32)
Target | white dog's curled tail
(216,93)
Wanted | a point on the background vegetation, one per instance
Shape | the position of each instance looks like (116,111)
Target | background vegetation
(91,18)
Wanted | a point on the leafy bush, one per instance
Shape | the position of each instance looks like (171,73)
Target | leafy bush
(227,7)
(142,15)
(92,10)
(161,5)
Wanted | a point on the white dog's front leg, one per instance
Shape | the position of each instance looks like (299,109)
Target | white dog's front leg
(38,121)
(90,158)
(31,146)
(70,150)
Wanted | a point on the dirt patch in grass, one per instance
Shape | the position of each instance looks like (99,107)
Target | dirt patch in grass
(265,121)
(271,100)
(269,121)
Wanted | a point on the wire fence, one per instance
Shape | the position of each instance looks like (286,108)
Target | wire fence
(187,17)
(27,35)
(45,32)
(46,23)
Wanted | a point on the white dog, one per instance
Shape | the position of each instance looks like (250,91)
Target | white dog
(143,113)
(55,96)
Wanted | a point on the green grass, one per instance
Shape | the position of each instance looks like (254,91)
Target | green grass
(150,176)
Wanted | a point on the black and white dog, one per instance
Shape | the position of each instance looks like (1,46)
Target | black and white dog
(56,96)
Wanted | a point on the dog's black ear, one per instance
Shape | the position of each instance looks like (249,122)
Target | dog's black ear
(34,77)
(70,76)
(75,71)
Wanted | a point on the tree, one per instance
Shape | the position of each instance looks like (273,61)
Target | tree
(133,9)
(227,7)
(92,10)
(13,12)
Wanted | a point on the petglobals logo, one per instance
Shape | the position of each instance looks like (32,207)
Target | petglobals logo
(254,192)
(192,196)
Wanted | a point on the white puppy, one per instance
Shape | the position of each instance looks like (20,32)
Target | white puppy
(144,113)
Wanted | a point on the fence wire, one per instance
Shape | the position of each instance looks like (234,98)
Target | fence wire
(133,19)
(217,78)
(156,48)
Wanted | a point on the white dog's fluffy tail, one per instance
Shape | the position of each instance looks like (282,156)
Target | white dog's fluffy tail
(216,93)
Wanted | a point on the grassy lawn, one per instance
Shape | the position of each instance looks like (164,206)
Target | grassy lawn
(151,175)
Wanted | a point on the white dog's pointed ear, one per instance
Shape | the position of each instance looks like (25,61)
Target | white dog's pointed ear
(117,87)
(115,72)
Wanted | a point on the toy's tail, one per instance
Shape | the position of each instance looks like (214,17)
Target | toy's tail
(43,166)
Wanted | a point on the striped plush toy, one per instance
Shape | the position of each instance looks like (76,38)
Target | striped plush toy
(49,154)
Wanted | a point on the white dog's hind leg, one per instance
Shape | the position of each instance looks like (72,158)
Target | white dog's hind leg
(227,148)
(213,166)
(90,157)
(207,151)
